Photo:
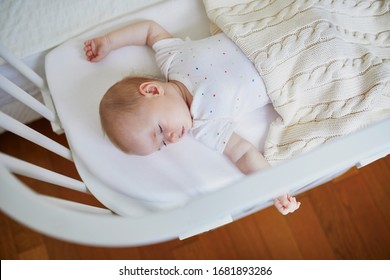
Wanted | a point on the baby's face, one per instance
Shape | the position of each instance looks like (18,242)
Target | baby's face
(162,120)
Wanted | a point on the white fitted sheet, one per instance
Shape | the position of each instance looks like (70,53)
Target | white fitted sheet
(164,179)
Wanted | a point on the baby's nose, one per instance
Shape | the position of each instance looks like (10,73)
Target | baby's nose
(172,137)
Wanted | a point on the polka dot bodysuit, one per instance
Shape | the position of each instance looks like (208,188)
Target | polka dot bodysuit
(222,80)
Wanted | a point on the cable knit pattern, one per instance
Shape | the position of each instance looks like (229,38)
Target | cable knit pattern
(325,63)
(292,44)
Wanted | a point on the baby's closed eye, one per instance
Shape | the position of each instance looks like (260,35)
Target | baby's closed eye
(162,132)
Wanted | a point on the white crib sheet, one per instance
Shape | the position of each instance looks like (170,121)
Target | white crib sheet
(34,26)
(164,179)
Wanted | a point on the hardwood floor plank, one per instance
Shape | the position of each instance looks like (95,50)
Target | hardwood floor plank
(238,240)
(248,242)
(160,251)
(377,178)
(366,217)
(308,233)
(217,244)
(277,235)
(101,253)
(25,238)
(60,250)
(190,249)
(342,235)
(8,245)
(35,253)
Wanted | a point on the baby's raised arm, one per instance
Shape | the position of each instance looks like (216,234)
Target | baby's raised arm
(248,159)
(145,32)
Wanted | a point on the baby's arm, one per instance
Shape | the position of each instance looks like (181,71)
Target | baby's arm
(145,32)
(248,159)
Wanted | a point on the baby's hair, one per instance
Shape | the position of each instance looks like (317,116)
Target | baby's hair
(121,98)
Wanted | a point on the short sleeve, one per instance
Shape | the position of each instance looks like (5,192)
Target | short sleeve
(165,51)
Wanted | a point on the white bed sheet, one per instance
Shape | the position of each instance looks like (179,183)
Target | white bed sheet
(164,179)
(34,26)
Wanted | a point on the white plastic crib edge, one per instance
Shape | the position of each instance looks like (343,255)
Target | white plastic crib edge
(107,230)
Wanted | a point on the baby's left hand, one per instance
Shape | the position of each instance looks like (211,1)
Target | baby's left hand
(286,204)
(96,49)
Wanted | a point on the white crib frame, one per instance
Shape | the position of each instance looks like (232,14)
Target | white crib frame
(79,223)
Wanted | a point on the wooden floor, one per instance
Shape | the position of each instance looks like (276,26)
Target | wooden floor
(348,218)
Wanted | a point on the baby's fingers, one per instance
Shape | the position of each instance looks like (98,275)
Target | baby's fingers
(281,208)
(294,204)
(88,50)
(287,206)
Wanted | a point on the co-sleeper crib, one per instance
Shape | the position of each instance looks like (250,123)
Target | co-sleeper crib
(128,221)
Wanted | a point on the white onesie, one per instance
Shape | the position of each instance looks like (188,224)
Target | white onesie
(222,80)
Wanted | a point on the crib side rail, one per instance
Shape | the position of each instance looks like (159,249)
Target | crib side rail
(112,230)
(46,110)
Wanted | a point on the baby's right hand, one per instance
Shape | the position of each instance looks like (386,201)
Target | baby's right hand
(286,204)
(96,49)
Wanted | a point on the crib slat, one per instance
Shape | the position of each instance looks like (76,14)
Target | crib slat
(22,68)
(30,170)
(77,206)
(26,99)
(30,134)
(48,110)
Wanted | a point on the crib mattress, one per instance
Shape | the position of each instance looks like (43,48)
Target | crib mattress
(164,179)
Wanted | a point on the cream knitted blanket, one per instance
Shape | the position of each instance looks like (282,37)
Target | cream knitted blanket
(325,63)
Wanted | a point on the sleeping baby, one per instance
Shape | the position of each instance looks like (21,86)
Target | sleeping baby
(209,84)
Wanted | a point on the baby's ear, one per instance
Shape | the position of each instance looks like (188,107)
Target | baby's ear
(150,89)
